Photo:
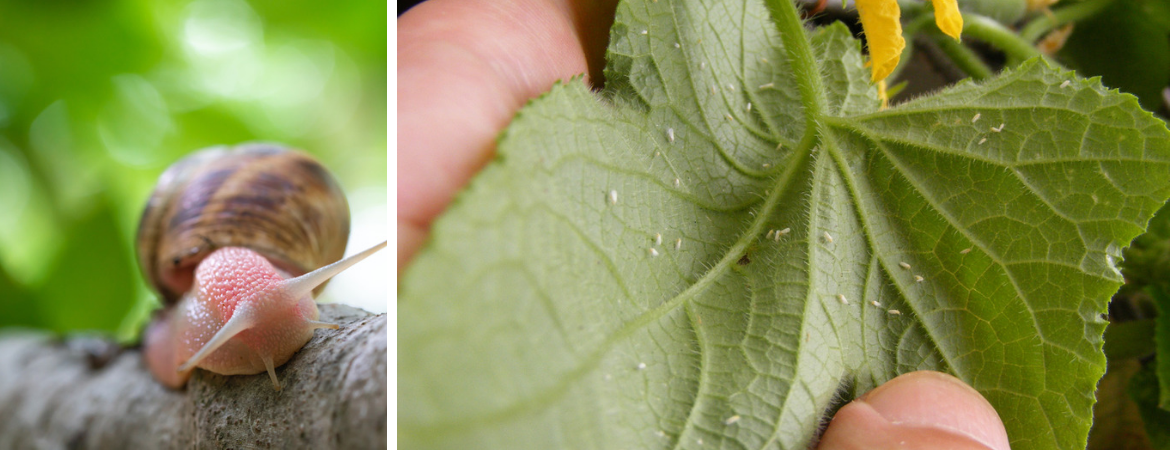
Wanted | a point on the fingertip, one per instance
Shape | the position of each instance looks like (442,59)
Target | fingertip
(936,399)
(464,68)
(922,409)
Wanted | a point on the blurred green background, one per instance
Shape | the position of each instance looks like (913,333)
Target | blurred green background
(97,98)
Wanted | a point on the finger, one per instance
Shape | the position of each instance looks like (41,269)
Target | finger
(918,410)
(464,68)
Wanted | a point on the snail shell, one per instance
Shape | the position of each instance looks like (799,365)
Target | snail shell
(278,202)
(238,241)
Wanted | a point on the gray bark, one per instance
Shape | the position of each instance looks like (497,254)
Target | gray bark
(58,393)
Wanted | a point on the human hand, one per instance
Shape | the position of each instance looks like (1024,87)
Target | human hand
(466,66)
(918,410)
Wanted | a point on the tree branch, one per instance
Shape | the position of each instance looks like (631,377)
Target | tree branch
(62,394)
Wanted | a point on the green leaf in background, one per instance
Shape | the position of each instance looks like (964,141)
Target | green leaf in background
(663,265)
(1117,421)
(1162,345)
(1128,45)
(16,305)
(1143,389)
(92,277)
(1129,340)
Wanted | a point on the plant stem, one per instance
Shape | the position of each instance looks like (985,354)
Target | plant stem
(967,60)
(804,66)
(1044,23)
(993,33)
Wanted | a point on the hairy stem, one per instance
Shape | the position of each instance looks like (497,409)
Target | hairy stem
(804,66)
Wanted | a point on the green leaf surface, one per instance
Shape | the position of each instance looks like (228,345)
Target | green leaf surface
(546,313)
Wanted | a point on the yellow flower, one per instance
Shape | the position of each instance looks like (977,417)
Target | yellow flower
(881,20)
(946,16)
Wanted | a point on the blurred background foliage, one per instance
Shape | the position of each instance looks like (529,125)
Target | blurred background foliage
(97,98)
(1127,44)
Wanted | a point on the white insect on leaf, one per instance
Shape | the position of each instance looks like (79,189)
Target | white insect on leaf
(653,253)
(1065,84)
(731,420)
(677,45)
(981,141)
(894,312)
(677,243)
(918,278)
(770,233)
(613,197)
(904,265)
(965,251)
(784,232)
(841,298)
(767,85)
(670,135)
(658,239)
(645,32)
(997,130)
(875,303)
(976,118)
(828,237)
(749,107)
(677,182)
(641,366)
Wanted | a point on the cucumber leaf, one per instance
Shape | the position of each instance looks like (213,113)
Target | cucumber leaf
(614,279)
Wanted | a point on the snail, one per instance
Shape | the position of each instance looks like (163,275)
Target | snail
(237,242)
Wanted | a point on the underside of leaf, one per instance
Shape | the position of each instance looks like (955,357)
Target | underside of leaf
(663,265)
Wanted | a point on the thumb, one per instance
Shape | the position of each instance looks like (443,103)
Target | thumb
(918,410)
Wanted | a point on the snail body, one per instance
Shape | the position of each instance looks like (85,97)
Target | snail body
(237,241)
